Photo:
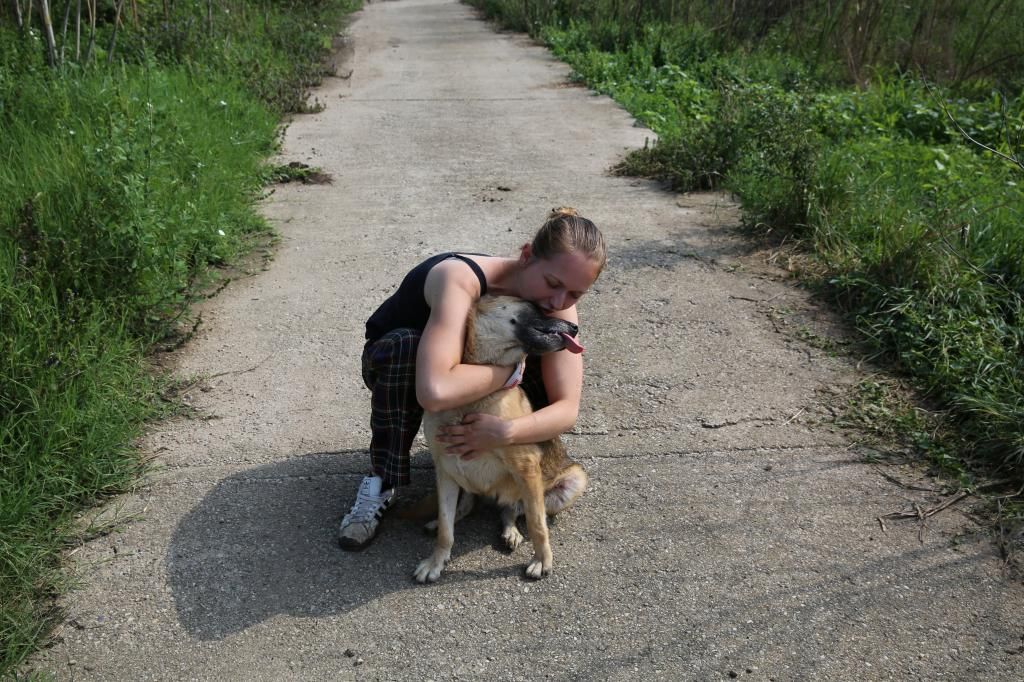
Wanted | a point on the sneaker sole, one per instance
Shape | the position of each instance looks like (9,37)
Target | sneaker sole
(350,545)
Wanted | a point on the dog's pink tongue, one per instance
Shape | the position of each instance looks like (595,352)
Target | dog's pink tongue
(571,344)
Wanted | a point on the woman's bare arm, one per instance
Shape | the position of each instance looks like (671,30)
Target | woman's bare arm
(563,380)
(442,381)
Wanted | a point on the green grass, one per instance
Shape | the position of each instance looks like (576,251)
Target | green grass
(121,185)
(916,232)
(73,396)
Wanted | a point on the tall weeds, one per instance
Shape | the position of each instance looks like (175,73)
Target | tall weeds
(947,40)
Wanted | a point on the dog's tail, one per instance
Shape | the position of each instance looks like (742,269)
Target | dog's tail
(565,489)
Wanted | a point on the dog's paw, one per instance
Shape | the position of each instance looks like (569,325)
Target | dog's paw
(429,570)
(537,570)
(512,537)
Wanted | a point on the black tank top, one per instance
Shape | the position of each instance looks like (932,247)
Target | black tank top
(407,307)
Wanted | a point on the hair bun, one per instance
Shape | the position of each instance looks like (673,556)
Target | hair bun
(563,211)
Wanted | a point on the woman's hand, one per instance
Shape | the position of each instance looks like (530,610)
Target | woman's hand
(476,434)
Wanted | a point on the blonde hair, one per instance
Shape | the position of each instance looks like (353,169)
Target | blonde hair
(566,231)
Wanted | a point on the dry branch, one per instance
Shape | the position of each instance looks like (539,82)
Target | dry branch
(923,514)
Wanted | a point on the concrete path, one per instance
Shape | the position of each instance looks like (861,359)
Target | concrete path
(729,532)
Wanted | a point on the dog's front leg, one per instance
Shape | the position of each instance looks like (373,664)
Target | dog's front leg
(447,500)
(532,487)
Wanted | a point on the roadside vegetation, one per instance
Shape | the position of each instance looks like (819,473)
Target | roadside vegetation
(885,139)
(133,141)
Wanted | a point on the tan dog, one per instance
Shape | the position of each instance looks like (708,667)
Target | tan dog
(538,479)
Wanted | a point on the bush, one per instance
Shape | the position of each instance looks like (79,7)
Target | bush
(775,167)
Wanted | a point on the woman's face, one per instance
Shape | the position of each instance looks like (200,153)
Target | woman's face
(556,283)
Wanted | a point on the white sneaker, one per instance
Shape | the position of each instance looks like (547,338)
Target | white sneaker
(360,524)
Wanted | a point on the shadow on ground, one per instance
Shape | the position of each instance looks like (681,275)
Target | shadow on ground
(669,253)
(263,543)
(746,567)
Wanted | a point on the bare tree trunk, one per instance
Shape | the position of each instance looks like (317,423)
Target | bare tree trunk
(858,25)
(91,5)
(113,35)
(915,37)
(64,30)
(872,47)
(51,43)
(17,15)
(990,16)
(78,30)
(827,35)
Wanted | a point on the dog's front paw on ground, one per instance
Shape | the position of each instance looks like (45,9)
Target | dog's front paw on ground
(429,570)
(512,537)
(537,569)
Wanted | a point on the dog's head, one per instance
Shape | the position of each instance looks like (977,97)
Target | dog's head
(503,329)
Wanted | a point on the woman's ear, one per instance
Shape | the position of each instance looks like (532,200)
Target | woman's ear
(525,254)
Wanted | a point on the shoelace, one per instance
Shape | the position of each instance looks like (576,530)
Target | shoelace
(366,505)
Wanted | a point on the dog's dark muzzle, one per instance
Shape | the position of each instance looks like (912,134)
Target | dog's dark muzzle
(548,335)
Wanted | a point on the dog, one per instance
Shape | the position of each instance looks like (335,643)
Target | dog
(536,479)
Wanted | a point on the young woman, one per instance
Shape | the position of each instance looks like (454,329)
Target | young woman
(412,358)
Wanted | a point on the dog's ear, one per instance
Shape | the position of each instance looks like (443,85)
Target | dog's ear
(469,344)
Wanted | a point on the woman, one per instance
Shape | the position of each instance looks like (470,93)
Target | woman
(412,358)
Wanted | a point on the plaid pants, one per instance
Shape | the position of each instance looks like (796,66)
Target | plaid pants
(389,371)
